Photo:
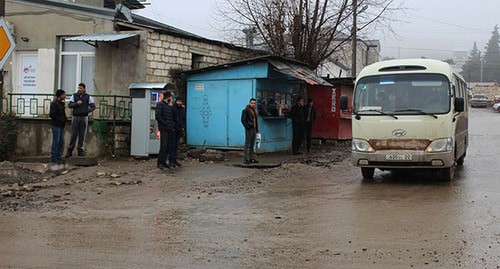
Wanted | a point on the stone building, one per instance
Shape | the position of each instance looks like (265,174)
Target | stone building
(103,44)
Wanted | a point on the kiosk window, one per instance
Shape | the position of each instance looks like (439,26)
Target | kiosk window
(273,104)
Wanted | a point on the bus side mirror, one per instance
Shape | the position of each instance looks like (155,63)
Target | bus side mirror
(459,104)
(343,102)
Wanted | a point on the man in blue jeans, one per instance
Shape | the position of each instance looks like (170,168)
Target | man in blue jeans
(58,116)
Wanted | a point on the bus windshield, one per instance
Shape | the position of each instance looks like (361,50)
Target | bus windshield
(402,94)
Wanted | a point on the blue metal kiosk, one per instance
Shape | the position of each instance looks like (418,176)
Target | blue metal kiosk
(216,96)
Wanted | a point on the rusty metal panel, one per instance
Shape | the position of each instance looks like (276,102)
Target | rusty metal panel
(399,144)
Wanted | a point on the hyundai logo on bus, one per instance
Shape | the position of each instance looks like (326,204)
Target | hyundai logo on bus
(399,132)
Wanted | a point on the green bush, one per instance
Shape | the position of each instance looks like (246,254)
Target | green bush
(8,136)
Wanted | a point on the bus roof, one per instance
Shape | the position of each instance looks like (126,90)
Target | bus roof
(406,66)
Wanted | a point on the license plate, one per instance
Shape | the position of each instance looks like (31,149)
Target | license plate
(398,157)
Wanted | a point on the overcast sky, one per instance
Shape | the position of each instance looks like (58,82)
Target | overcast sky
(431,28)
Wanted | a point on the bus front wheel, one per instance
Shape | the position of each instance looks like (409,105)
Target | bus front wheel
(367,172)
(448,173)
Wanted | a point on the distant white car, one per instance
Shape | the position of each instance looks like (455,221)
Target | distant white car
(496,107)
(478,100)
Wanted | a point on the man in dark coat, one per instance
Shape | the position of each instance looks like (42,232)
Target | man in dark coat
(179,114)
(298,124)
(58,116)
(250,122)
(310,111)
(165,119)
(82,104)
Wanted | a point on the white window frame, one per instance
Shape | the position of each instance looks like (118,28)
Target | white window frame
(79,57)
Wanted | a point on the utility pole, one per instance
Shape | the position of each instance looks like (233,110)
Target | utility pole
(354,31)
(481,69)
(2,14)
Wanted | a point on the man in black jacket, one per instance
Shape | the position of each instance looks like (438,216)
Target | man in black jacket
(179,114)
(310,111)
(82,104)
(298,125)
(58,116)
(250,122)
(165,119)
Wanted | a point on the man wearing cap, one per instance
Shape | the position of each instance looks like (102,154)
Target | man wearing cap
(58,116)
(164,117)
(82,104)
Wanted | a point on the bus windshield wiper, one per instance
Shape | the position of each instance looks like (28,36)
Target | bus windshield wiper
(378,111)
(419,111)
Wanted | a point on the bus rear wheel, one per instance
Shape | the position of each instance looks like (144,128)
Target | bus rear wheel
(367,172)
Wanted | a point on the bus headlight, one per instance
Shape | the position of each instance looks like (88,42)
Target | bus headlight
(361,145)
(440,145)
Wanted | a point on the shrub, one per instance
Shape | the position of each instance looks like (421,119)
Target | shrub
(8,136)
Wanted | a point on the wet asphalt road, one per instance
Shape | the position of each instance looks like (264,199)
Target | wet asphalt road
(296,216)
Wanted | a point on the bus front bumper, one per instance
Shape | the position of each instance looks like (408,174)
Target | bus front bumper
(402,159)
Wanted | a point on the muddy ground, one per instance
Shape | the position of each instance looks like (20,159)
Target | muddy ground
(31,191)
(311,212)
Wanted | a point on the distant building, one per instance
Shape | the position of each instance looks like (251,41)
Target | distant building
(459,58)
(339,64)
(472,85)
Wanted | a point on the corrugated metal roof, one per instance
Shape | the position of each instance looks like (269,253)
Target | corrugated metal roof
(299,72)
(293,68)
(102,37)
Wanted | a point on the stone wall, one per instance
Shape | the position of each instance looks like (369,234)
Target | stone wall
(168,54)
(35,139)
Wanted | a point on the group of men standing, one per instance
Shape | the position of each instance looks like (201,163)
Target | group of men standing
(82,104)
(303,117)
(171,118)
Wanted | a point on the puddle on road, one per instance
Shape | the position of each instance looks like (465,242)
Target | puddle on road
(214,172)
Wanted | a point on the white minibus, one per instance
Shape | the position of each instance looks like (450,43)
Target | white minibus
(408,114)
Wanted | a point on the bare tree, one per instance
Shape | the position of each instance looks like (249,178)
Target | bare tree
(307,30)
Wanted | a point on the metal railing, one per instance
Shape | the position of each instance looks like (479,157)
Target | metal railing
(37,105)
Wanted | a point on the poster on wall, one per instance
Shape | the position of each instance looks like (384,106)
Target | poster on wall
(28,73)
(334,100)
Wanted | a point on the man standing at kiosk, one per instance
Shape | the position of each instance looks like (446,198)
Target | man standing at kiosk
(310,111)
(165,119)
(251,124)
(298,125)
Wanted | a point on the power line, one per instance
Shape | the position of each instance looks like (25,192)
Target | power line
(448,24)
(417,49)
